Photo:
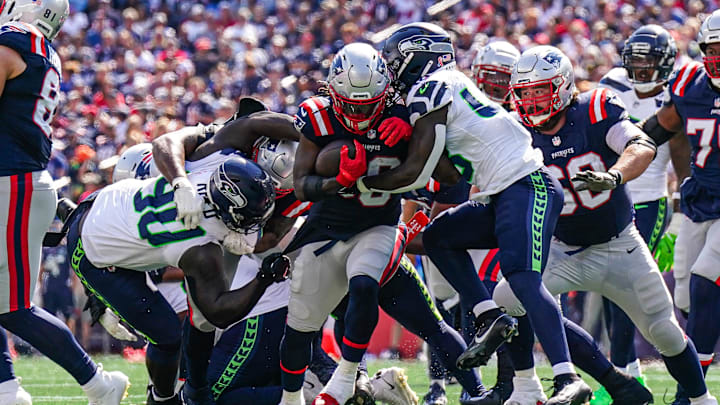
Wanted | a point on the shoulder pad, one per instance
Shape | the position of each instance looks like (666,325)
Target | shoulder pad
(604,103)
(617,80)
(315,111)
(426,97)
(23,38)
(680,78)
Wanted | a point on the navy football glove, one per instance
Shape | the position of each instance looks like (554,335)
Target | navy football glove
(274,268)
(597,181)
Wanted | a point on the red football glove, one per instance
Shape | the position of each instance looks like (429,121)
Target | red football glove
(351,169)
(394,130)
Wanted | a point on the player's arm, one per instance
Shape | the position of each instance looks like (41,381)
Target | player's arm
(666,125)
(274,230)
(242,133)
(11,65)
(425,148)
(203,269)
(308,185)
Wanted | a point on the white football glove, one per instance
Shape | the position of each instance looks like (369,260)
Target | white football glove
(112,325)
(239,243)
(189,204)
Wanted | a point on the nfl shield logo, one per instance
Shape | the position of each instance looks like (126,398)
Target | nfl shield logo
(717,103)
(371,134)
(556,141)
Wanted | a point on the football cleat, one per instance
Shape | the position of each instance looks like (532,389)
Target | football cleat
(487,340)
(710,400)
(527,391)
(601,397)
(502,390)
(199,396)
(11,393)
(324,399)
(116,384)
(681,397)
(485,398)
(627,390)
(174,400)
(363,394)
(390,385)
(435,396)
(311,386)
(569,389)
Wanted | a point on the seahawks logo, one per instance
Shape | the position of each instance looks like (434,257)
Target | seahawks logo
(229,189)
(427,43)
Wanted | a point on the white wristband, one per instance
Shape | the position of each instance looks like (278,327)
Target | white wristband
(181,182)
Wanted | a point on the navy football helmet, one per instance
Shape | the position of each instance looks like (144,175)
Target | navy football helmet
(415,50)
(649,57)
(242,193)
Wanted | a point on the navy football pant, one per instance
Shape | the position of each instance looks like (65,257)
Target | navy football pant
(651,219)
(519,220)
(126,292)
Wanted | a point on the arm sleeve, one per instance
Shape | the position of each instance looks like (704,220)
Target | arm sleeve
(620,134)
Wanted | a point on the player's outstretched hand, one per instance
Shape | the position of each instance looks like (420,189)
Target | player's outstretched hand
(189,204)
(394,130)
(351,169)
(596,181)
(274,268)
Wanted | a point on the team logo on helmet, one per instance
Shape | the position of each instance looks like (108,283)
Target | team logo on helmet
(229,189)
(425,43)
(553,59)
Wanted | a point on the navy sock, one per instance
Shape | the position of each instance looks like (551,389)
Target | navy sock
(685,369)
(468,327)
(52,338)
(163,362)
(6,364)
(436,370)
(543,312)
(584,351)
(197,348)
(521,346)
(622,336)
(702,327)
(447,344)
(295,355)
(505,368)
(360,317)
(251,395)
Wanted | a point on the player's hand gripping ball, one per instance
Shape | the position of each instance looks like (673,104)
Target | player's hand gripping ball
(342,159)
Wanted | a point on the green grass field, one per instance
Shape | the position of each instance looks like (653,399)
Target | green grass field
(49,384)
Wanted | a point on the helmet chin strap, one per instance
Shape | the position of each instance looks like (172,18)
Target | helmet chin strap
(716,83)
(645,87)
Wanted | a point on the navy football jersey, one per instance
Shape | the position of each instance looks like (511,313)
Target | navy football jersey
(342,216)
(699,107)
(581,144)
(29,102)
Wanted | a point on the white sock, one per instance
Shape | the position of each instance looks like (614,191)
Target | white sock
(96,386)
(634,368)
(701,398)
(563,368)
(483,306)
(527,373)
(292,398)
(158,397)
(440,382)
(342,383)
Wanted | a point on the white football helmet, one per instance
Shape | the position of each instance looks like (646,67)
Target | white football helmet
(277,159)
(542,66)
(709,34)
(492,68)
(358,82)
(136,163)
(47,15)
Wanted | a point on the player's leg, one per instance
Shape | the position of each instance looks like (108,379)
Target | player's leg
(247,357)
(406,299)
(27,206)
(446,241)
(636,286)
(318,284)
(10,390)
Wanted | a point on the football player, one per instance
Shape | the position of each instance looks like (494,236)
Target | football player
(648,59)
(130,227)
(491,69)
(515,210)
(29,97)
(690,107)
(590,144)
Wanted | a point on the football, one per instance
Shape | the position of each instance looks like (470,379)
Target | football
(327,163)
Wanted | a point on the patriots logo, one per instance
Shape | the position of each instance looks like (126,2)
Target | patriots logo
(553,59)
(556,141)
(337,67)
(427,43)
(716,103)
(371,134)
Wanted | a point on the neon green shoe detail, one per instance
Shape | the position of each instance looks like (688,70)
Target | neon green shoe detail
(601,397)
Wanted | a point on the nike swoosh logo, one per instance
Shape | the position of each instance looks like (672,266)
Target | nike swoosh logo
(312,386)
(631,250)
(392,387)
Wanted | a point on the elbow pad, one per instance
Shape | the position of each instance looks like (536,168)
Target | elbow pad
(654,130)
(643,140)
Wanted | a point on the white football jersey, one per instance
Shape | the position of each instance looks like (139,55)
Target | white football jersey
(132,225)
(652,184)
(488,147)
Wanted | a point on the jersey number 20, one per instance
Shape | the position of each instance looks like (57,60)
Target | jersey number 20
(46,104)
(588,199)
